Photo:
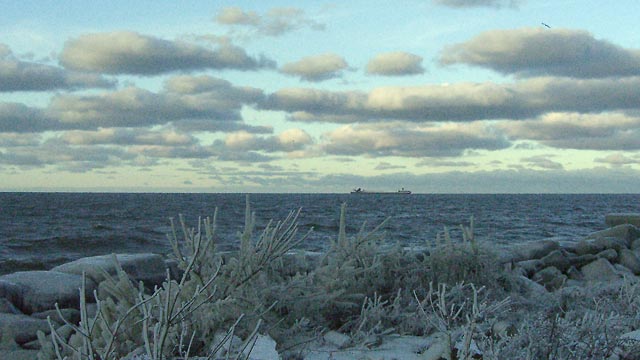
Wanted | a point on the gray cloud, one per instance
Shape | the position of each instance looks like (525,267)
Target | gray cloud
(543,162)
(17,75)
(383,166)
(18,139)
(606,131)
(460,102)
(479,3)
(15,117)
(395,64)
(275,22)
(316,68)
(128,52)
(120,136)
(537,51)
(287,141)
(617,160)
(401,139)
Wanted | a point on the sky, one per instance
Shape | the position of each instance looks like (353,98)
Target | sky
(436,96)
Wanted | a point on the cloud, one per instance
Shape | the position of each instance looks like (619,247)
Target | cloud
(120,136)
(479,3)
(395,64)
(383,166)
(459,102)
(411,140)
(316,68)
(605,131)
(18,139)
(543,162)
(617,160)
(537,51)
(16,117)
(17,75)
(127,52)
(287,141)
(275,22)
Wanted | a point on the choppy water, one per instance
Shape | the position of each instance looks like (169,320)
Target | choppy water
(41,230)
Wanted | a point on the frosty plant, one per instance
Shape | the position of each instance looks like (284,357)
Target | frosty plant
(180,317)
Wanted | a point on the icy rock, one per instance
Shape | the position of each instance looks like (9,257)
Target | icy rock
(148,268)
(338,339)
(71,315)
(20,328)
(558,259)
(41,290)
(599,270)
(626,232)
(20,354)
(596,245)
(550,277)
(7,307)
(532,250)
(628,259)
(622,218)
(264,348)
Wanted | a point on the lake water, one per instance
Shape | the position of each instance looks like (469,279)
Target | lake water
(41,230)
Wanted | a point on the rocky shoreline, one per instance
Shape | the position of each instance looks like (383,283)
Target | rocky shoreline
(27,298)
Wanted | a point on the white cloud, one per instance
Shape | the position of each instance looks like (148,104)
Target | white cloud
(275,22)
(317,67)
(395,64)
(126,52)
(541,51)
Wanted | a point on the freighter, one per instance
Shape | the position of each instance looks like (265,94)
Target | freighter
(362,191)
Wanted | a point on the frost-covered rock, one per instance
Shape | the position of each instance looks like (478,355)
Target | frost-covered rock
(338,339)
(594,245)
(41,290)
(628,259)
(550,277)
(264,348)
(558,259)
(20,328)
(532,250)
(599,270)
(626,232)
(149,268)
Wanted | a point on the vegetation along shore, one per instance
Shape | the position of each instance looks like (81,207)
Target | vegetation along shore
(457,298)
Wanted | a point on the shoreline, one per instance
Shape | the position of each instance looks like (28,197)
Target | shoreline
(542,269)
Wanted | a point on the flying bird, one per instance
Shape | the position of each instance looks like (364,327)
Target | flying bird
(546,25)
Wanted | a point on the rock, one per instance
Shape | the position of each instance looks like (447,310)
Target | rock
(558,259)
(609,254)
(622,218)
(7,307)
(264,348)
(21,328)
(148,268)
(628,259)
(41,290)
(628,233)
(9,291)
(599,270)
(530,267)
(595,245)
(550,277)
(574,274)
(20,354)
(532,250)
(623,271)
(338,339)
(71,315)
(399,347)
(582,260)
(529,286)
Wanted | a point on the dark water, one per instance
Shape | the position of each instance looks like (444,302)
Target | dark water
(41,230)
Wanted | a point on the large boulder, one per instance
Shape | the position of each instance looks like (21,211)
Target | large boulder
(626,232)
(622,218)
(20,328)
(41,290)
(594,245)
(599,270)
(558,259)
(148,268)
(532,250)
(628,259)
(550,277)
